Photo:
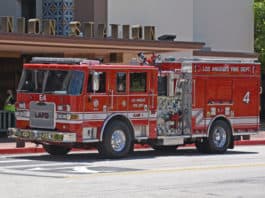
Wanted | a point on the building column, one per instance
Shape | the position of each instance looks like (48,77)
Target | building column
(61,11)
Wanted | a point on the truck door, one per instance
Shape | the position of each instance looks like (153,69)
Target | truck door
(119,85)
(98,102)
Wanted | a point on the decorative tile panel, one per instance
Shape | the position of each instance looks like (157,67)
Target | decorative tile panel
(60,10)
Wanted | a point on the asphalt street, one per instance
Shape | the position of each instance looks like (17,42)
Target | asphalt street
(147,173)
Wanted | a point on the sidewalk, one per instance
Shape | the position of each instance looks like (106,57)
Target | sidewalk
(258,139)
(9,146)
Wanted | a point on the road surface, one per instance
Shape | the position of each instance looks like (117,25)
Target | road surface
(184,173)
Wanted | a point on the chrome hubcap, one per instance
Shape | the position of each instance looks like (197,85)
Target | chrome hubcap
(219,137)
(118,140)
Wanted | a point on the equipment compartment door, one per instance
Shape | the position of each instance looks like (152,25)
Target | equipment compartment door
(246,100)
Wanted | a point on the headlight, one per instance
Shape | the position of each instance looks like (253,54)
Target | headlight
(60,108)
(67,116)
(64,108)
(22,105)
(22,114)
(63,116)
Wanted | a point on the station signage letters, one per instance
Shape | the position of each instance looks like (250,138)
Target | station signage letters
(78,29)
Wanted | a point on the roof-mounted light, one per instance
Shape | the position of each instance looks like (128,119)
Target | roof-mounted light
(52,60)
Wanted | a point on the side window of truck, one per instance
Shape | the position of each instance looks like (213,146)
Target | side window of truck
(138,82)
(121,82)
(102,83)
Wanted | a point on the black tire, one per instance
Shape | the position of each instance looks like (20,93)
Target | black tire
(56,149)
(202,147)
(117,140)
(164,148)
(219,138)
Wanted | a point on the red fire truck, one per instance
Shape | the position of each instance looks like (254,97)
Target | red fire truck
(65,103)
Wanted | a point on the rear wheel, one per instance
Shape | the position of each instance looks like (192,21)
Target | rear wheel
(220,137)
(56,149)
(117,140)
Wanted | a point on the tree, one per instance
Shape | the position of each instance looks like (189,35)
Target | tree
(259,45)
(259,31)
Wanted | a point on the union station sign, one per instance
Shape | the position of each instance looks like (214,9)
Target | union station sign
(76,28)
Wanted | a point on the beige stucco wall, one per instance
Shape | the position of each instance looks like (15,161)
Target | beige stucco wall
(224,24)
(10,8)
(221,24)
(169,16)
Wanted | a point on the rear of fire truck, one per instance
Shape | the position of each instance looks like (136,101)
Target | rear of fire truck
(48,93)
(226,102)
(207,102)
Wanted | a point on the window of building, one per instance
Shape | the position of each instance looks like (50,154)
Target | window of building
(138,82)
(116,57)
(121,82)
(28,9)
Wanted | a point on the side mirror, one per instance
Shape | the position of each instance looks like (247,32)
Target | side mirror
(95,81)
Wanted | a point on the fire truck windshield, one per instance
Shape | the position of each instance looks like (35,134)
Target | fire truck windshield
(51,81)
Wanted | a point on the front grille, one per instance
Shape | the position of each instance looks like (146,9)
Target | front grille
(42,115)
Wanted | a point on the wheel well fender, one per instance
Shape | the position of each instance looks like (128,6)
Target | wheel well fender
(113,117)
(223,118)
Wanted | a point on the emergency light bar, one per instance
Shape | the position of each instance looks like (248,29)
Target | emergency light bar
(52,60)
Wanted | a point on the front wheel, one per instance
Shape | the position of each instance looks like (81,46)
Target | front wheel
(56,149)
(117,140)
(220,137)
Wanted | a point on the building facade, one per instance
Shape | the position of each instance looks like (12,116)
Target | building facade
(225,25)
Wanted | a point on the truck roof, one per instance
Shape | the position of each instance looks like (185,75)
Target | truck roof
(78,63)
(219,60)
(86,67)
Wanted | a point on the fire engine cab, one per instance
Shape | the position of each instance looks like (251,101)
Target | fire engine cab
(65,103)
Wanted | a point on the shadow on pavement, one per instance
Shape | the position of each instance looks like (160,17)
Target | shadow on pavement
(143,154)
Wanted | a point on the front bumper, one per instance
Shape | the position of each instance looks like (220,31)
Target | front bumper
(42,135)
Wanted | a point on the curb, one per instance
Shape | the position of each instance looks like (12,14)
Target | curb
(250,142)
(137,146)
(21,150)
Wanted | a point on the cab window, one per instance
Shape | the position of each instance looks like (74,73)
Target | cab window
(121,82)
(138,82)
(102,83)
